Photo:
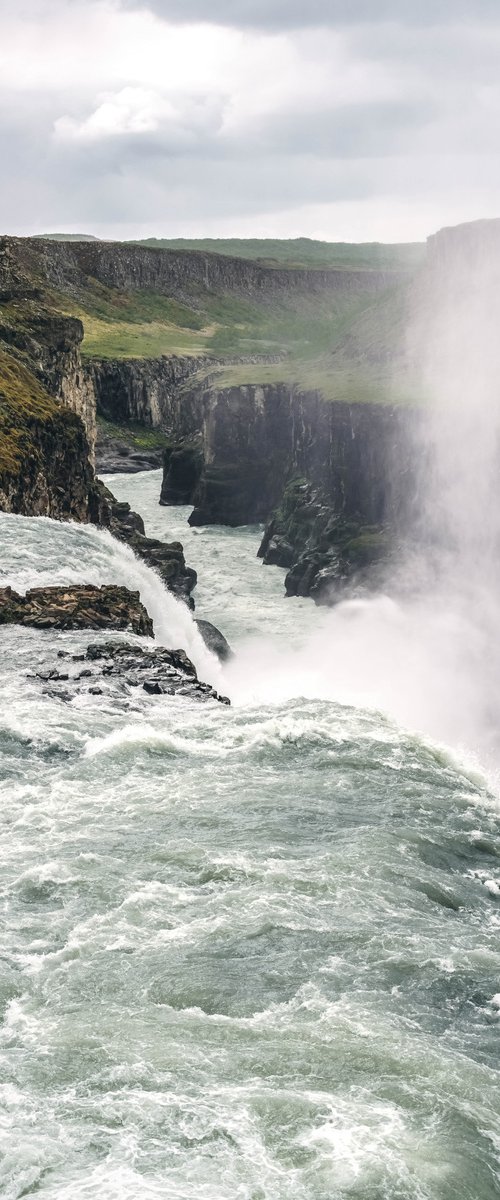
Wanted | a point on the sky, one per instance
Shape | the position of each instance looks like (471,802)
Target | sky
(347,120)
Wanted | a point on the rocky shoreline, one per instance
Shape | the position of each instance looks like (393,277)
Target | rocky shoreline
(76,607)
(119,669)
(157,670)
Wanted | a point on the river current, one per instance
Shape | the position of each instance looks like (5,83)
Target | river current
(248,953)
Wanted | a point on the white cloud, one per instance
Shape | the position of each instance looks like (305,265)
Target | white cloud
(118,118)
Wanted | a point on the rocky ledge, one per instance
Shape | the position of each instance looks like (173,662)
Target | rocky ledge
(325,553)
(166,558)
(117,669)
(77,607)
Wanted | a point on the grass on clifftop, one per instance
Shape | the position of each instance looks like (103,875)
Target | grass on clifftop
(337,342)
(343,340)
(287,252)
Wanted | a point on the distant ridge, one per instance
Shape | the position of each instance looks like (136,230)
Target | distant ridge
(285,252)
(303,252)
(67,237)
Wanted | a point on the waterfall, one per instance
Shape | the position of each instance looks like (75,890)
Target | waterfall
(47,552)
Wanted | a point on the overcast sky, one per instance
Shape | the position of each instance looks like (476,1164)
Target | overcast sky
(342,119)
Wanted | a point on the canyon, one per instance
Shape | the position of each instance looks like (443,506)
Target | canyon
(240,439)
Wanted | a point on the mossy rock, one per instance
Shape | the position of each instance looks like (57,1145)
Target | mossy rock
(368,547)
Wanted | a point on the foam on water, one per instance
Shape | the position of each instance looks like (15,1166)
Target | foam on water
(248,952)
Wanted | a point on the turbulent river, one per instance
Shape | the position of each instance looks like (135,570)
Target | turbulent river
(248,953)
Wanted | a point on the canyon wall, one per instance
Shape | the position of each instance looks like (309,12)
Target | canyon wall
(181,274)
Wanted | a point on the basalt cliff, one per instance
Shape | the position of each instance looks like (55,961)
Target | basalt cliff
(269,394)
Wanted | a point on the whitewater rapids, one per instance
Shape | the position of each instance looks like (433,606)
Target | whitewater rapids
(252,952)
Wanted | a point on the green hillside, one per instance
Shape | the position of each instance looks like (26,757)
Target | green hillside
(342,338)
(304,252)
(287,252)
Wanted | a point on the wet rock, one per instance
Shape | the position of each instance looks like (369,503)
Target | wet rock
(182,468)
(76,607)
(325,552)
(158,671)
(166,558)
(215,640)
(115,457)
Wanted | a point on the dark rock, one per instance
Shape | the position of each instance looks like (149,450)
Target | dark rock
(325,552)
(215,640)
(160,671)
(115,457)
(182,468)
(76,607)
(166,558)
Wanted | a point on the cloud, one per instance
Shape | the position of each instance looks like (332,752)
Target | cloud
(127,116)
(296,14)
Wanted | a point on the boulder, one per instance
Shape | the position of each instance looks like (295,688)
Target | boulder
(79,606)
(215,640)
(119,669)
(325,553)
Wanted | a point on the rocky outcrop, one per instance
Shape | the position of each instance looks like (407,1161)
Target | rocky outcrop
(256,438)
(148,391)
(114,456)
(182,274)
(51,476)
(118,670)
(76,607)
(325,553)
(215,640)
(166,558)
(183,466)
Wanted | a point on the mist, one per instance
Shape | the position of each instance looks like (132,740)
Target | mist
(426,648)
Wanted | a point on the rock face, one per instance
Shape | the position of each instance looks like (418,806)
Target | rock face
(180,274)
(256,438)
(166,558)
(215,640)
(116,457)
(52,476)
(325,552)
(182,470)
(148,390)
(76,607)
(119,670)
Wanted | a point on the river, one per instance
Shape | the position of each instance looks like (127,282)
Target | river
(248,953)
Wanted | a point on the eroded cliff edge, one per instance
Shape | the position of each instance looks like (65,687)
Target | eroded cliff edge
(334,477)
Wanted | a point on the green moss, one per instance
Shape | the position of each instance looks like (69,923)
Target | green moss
(23,403)
(132,434)
(368,547)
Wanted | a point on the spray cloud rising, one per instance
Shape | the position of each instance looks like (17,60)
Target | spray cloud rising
(427,651)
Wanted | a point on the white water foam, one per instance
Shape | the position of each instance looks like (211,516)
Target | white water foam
(84,554)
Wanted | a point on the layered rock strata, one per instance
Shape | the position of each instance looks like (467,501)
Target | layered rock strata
(76,607)
(324,553)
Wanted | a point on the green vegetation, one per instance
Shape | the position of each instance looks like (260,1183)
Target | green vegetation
(338,342)
(23,402)
(138,437)
(67,237)
(303,252)
(287,252)
(346,340)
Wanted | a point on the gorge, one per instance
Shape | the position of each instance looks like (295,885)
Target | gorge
(250,948)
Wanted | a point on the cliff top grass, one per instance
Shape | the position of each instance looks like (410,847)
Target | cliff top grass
(343,340)
(23,401)
(289,252)
(311,334)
